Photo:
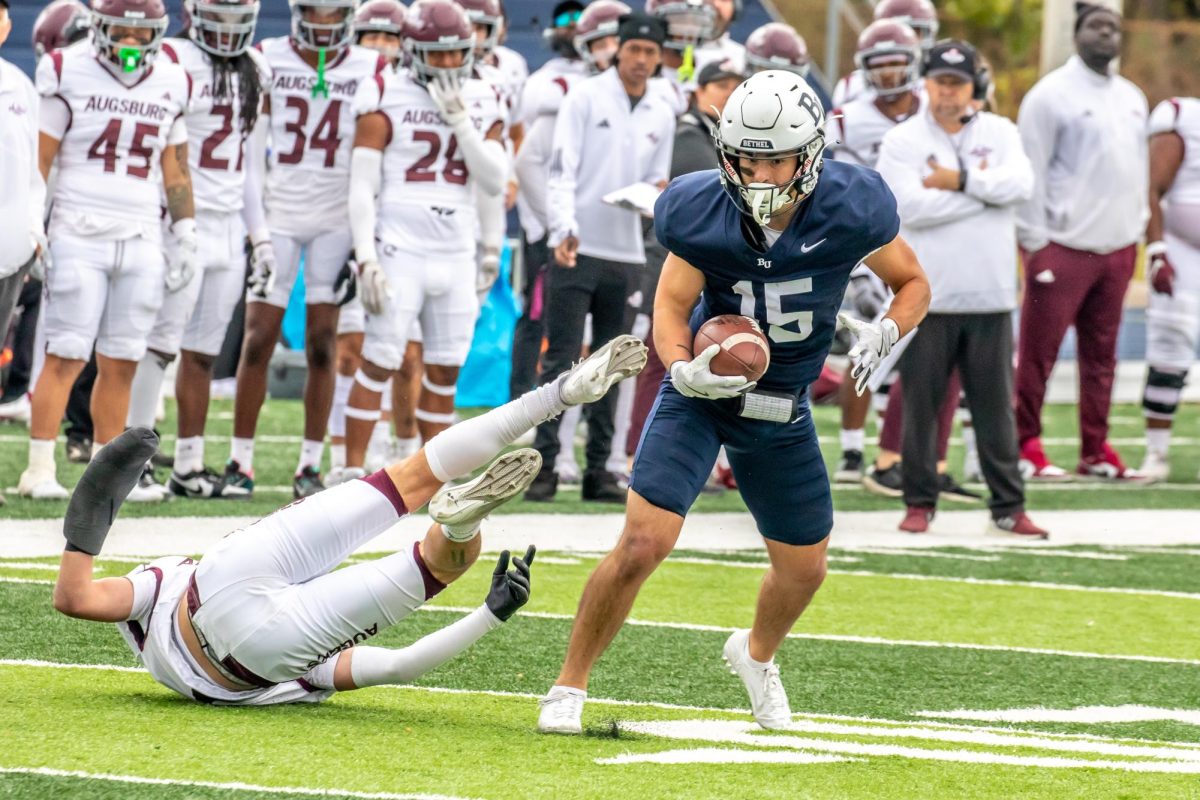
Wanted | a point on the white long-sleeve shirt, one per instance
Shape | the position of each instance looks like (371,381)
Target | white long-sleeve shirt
(1085,135)
(966,241)
(601,145)
(24,195)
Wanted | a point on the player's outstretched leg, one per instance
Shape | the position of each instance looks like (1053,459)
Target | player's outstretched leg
(460,509)
(109,478)
(589,380)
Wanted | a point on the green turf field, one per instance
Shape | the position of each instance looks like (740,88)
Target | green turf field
(893,675)
(279,446)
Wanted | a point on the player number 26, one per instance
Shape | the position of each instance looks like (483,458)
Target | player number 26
(780,326)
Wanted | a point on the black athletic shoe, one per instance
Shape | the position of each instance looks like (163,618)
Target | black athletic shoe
(948,489)
(885,482)
(850,468)
(307,483)
(544,486)
(205,483)
(602,487)
(235,478)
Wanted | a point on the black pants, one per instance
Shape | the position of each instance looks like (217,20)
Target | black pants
(10,292)
(527,338)
(79,403)
(600,288)
(981,346)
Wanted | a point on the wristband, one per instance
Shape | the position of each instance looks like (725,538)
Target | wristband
(1158,248)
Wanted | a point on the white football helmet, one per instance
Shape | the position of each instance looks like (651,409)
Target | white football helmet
(773,114)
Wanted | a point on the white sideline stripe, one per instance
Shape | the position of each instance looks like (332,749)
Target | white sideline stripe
(721,755)
(231,786)
(1064,587)
(897,551)
(607,701)
(1084,714)
(1048,552)
(36,581)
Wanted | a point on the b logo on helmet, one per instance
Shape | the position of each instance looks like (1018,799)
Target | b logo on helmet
(757,144)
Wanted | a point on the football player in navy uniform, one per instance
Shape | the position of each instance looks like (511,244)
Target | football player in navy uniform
(773,234)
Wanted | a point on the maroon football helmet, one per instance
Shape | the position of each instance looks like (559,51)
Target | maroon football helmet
(438,25)
(222,28)
(143,15)
(381,17)
(920,15)
(777,46)
(601,18)
(689,22)
(889,56)
(59,24)
(312,35)
(490,15)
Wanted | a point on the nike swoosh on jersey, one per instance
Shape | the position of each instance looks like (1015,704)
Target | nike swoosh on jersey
(805,247)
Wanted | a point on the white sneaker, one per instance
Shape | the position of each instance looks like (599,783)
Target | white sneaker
(590,379)
(1155,467)
(148,489)
(567,470)
(334,476)
(505,478)
(561,710)
(39,485)
(18,410)
(972,472)
(768,700)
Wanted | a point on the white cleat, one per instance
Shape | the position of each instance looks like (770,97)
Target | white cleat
(590,379)
(561,710)
(41,486)
(468,503)
(768,700)
(344,475)
(148,489)
(1155,468)
(18,411)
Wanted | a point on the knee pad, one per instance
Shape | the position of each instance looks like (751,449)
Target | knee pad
(1163,390)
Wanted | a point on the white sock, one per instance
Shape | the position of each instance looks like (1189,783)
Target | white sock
(337,413)
(567,428)
(337,456)
(385,398)
(189,454)
(242,451)
(310,454)
(968,436)
(853,439)
(146,389)
(474,442)
(41,455)
(757,664)
(1158,440)
(380,435)
(407,446)
(461,533)
(377,666)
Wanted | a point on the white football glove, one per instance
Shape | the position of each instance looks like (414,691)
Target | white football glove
(261,280)
(373,287)
(489,270)
(446,91)
(694,378)
(873,342)
(41,260)
(181,254)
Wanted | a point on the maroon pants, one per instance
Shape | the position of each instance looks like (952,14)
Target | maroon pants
(1065,287)
(648,381)
(891,435)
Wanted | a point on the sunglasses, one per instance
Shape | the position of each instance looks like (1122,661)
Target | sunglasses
(567,18)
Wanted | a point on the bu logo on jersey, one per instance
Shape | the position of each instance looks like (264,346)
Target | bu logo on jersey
(764,263)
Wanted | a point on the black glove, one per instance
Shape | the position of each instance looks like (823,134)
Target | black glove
(346,285)
(510,587)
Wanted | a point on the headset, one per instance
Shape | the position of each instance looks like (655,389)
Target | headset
(982,80)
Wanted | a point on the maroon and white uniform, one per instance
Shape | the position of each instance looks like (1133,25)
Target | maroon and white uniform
(307,185)
(540,100)
(426,220)
(106,283)
(859,127)
(197,316)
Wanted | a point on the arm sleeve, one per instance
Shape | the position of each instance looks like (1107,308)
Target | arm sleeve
(1165,117)
(919,207)
(37,186)
(564,167)
(375,666)
(487,160)
(254,214)
(178,134)
(490,208)
(1038,130)
(1008,182)
(366,176)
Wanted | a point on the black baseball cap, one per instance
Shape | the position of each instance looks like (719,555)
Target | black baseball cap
(719,70)
(952,57)
(639,25)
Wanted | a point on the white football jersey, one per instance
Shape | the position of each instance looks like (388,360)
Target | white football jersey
(216,141)
(308,181)
(1181,115)
(428,198)
(540,100)
(512,71)
(152,633)
(109,158)
(851,87)
(858,130)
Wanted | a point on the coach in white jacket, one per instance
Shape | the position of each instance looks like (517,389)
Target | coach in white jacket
(958,176)
(610,132)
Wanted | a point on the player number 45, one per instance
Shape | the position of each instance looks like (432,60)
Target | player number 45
(782,326)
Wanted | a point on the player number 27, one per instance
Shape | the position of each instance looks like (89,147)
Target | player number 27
(773,295)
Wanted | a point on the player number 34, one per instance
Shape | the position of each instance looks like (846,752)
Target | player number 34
(780,326)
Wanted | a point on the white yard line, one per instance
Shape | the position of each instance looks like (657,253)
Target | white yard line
(235,786)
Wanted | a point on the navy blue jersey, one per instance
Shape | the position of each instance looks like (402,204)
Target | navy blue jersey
(794,288)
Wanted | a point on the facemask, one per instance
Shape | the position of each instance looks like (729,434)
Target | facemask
(766,200)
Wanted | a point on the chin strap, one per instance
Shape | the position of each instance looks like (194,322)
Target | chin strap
(320,87)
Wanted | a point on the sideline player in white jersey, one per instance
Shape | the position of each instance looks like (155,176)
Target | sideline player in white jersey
(427,142)
(112,118)
(263,618)
(920,15)
(227,79)
(1173,268)
(888,56)
(315,72)
(691,24)
(379,26)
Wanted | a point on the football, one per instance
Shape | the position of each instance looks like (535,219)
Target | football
(744,347)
